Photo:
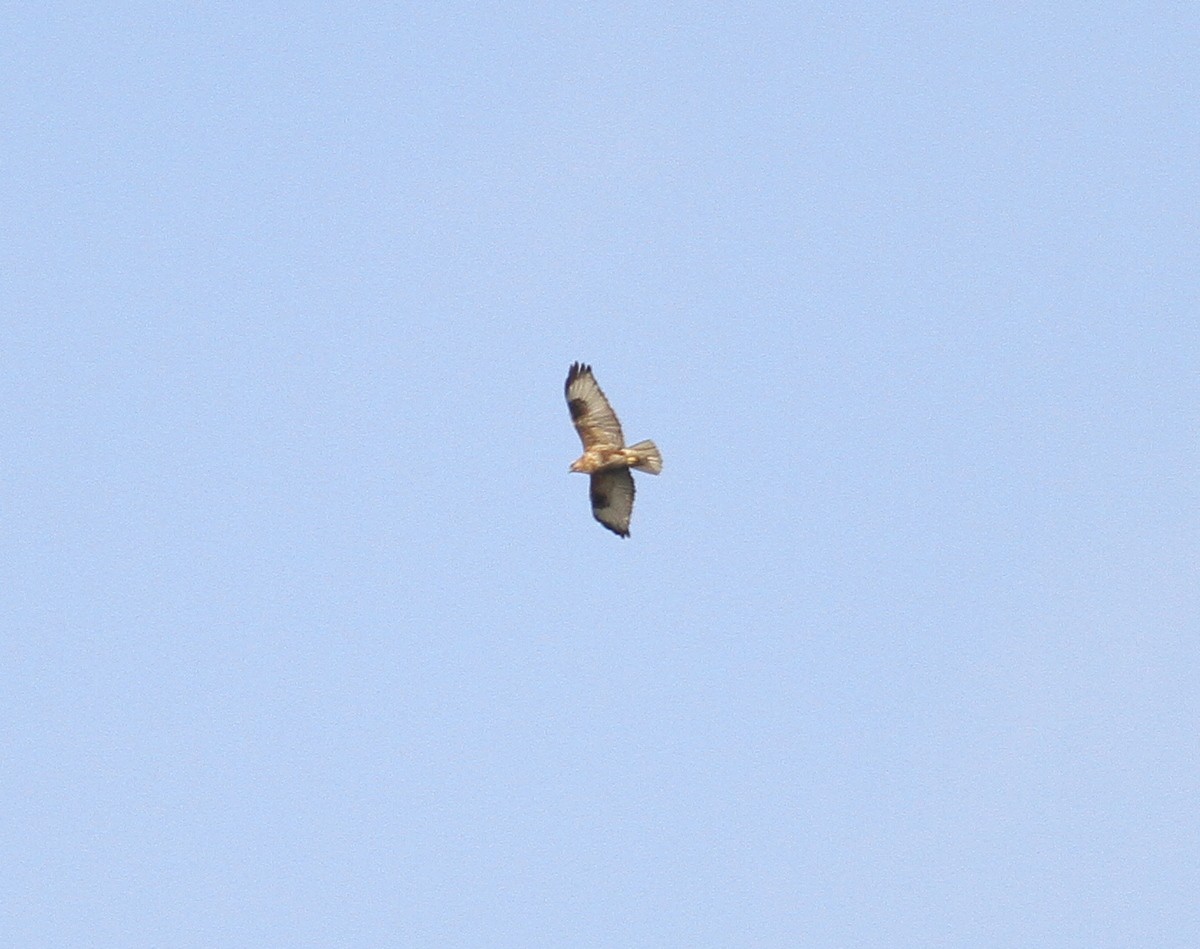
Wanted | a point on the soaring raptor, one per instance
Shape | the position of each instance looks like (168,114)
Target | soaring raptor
(605,456)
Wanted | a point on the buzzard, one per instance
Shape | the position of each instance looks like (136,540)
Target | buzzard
(605,457)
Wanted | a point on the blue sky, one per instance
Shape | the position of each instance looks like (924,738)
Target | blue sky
(310,638)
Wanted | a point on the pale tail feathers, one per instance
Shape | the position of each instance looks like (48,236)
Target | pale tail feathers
(649,460)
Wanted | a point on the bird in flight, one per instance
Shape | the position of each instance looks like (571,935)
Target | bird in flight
(605,457)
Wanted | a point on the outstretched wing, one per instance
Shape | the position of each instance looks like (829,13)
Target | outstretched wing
(612,499)
(594,418)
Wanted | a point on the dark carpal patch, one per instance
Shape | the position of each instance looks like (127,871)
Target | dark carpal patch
(599,497)
(578,408)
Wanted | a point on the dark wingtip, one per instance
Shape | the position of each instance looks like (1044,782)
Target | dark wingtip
(577,369)
(616,530)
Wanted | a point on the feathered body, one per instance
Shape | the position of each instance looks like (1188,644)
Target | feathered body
(605,456)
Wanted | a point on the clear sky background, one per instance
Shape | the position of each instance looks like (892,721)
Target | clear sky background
(308,636)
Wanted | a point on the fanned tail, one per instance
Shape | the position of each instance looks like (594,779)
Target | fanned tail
(649,460)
